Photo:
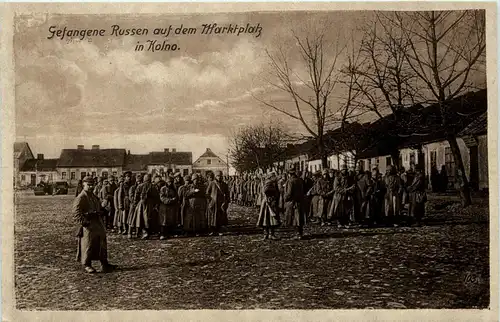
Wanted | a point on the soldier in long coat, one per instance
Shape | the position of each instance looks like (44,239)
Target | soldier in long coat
(124,202)
(417,196)
(132,232)
(92,243)
(169,208)
(269,217)
(294,210)
(118,214)
(183,202)
(394,188)
(218,202)
(195,220)
(342,198)
(317,193)
(146,201)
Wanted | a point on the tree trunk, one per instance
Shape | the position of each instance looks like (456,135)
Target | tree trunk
(322,153)
(459,163)
(395,158)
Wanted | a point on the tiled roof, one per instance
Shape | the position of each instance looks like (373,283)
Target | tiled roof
(92,158)
(478,127)
(209,154)
(136,162)
(40,165)
(177,158)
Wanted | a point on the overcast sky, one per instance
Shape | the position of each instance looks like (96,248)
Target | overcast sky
(103,92)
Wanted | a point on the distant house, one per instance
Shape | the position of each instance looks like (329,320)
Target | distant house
(38,170)
(209,162)
(75,164)
(22,152)
(170,162)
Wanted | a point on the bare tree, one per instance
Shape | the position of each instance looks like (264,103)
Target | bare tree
(377,78)
(311,94)
(258,147)
(446,50)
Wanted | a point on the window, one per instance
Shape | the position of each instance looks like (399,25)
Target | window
(177,170)
(377,161)
(412,159)
(50,177)
(73,175)
(94,174)
(114,173)
(388,161)
(23,177)
(209,161)
(63,175)
(83,174)
(185,172)
(369,161)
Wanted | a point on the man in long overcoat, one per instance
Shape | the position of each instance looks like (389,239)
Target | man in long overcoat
(124,202)
(294,210)
(218,202)
(92,243)
(168,210)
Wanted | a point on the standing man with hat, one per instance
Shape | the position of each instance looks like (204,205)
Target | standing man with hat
(92,243)
(294,196)
(218,202)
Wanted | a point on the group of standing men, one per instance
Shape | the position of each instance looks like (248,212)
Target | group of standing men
(343,198)
(137,205)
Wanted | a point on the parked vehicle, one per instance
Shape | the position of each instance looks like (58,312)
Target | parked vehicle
(61,188)
(43,189)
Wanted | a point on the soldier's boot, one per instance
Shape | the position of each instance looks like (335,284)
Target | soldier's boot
(266,234)
(145,234)
(273,235)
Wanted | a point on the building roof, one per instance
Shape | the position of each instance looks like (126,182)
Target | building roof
(418,125)
(478,127)
(177,158)
(136,162)
(19,147)
(39,165)
(208,154)
(92,158)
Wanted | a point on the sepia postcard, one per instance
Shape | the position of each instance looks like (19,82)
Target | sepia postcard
(249,161)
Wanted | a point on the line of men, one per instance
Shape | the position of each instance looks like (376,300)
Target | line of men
(343,198)
(143,204)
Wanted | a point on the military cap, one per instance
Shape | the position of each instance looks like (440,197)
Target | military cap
(127,173)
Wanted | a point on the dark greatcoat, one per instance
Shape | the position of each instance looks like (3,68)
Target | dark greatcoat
(92,244)
(123,203)
(218,202)
(417,187)
(294,196)
(269,210)
(169,207)
(195,209)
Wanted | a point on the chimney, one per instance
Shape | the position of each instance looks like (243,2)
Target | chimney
(95,147)
(39,156)
(166,150)
(173,150)
(80,147)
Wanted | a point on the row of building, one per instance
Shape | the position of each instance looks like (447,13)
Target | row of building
(421,139)
(74,164)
